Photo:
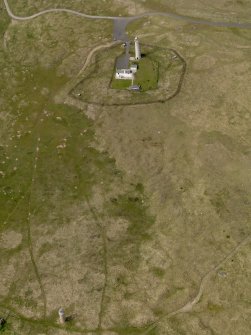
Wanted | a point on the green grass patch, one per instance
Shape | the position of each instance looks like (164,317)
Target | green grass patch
(158,272)
(147,74)
(4,22)
(120,84)
(130,206)
(214,307)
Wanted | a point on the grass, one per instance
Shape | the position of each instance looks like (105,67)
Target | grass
(211,162)
(64,177)
(214,308)
(5,20)
(120,84)
(109,7)
(58,172)
(131,207)
(147,74)
(159,272)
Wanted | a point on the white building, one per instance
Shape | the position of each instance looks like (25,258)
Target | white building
(122,71)
(137,49)
(124,74)
(134,68)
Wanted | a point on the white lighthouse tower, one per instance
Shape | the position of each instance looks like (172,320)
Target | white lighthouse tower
(137,49)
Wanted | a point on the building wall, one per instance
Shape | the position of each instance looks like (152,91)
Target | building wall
(124,75)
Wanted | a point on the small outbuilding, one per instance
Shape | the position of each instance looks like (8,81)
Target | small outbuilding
(134,68)
(135,88)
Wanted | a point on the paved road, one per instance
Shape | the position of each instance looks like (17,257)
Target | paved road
(130,18)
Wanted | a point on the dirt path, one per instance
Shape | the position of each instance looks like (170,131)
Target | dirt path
(102,228)
(29,236)
(28,196)
(89,57)
(64,92)
(53,10)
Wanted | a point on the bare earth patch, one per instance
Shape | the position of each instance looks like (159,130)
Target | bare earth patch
(10,239)
(204,62)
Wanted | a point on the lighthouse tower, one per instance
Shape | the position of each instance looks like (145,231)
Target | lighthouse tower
(137,49)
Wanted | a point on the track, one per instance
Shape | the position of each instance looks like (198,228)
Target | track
(28,225)
(102,227)
(28,196)
(60,98)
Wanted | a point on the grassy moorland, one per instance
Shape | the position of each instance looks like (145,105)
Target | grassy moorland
(134,218)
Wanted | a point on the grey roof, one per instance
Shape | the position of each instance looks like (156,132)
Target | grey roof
(122,62)
(119,29)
